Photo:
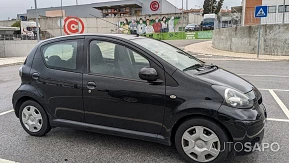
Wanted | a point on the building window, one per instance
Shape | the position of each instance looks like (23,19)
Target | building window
(272,9)
(287,8)
(281,8)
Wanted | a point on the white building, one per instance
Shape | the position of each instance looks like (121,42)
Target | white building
(116,8)
(276,11)
(275,15)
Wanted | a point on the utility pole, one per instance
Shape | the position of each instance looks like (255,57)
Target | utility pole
(37,21)
(62,19)
(182,15)
(77,21)
(187,4)
(284,11)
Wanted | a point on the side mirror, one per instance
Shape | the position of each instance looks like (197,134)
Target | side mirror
(149,74)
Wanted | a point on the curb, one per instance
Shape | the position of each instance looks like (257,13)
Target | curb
(227,57)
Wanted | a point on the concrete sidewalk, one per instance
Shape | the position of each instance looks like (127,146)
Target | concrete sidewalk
(206,48)
(11,61)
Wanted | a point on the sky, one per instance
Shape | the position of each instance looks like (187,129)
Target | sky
(10,8)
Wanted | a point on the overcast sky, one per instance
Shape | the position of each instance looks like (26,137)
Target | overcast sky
(9,8)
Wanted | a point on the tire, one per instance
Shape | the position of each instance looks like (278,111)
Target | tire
(34,119)
(194,126)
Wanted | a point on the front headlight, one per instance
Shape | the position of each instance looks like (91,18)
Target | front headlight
(234,97)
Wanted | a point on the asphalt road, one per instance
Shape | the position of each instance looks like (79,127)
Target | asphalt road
(70,145)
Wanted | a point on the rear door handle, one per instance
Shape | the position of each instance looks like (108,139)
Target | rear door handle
(91,85)
(35,76)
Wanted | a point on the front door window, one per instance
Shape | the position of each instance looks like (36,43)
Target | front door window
(115,60)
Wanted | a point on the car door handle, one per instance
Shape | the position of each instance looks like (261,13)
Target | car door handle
(35,76)
(91,85)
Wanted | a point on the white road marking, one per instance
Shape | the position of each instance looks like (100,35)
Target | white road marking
(277,76)
(9,111)
(280,103)
(278,90)
(6,161)
(278,120)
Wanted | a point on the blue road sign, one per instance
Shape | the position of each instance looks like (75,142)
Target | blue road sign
(261,11)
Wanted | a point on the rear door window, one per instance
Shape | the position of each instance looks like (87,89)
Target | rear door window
(61,55)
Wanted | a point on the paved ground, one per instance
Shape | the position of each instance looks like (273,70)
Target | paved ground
(205,47)
(183,43)
(69,145)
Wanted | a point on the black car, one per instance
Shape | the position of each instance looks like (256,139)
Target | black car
(139,88)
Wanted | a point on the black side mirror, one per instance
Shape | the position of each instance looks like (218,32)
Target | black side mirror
(149,74)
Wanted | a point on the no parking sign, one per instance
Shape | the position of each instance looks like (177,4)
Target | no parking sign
(73,25)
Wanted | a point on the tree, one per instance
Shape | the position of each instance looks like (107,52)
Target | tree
(219,6)
(16,24)
(212,6)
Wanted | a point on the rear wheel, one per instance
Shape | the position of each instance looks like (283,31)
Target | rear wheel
(201,140)
(34,119)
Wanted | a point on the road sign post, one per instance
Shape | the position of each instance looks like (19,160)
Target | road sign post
(260,12)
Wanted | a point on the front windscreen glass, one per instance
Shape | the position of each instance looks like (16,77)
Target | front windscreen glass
(172,55)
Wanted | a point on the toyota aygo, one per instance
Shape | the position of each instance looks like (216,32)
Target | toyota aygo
(139,88)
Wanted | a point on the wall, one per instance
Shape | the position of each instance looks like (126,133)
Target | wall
(7,23)
(195,19)
(96,25)
(16,48)
(274,39)
(82,11)
(250,10)
(167,7)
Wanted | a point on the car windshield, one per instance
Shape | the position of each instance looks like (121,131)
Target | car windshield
(191,25)
(208,21)
(172,55)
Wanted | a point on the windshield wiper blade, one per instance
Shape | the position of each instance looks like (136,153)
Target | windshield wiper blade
(196,66)
(213,66)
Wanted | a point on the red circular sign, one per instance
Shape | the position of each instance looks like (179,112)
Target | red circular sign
(73,25)
(155,5)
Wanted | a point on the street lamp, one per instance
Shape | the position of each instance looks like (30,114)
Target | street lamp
(61,24)
(284,10)
(76,1)
(37,21)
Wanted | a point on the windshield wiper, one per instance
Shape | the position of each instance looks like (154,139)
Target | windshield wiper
(196,66)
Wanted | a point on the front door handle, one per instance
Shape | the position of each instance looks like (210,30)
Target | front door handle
(35,76)
(91,85)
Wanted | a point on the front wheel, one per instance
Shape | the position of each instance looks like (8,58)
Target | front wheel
(201,141)
(34,119)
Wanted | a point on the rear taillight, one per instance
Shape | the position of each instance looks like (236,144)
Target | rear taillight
(20,71)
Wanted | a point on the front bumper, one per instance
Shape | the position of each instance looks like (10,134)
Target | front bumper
(246,127)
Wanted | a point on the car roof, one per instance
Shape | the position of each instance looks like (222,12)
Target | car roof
(119,36)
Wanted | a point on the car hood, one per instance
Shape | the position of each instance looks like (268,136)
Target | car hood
(225,78)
